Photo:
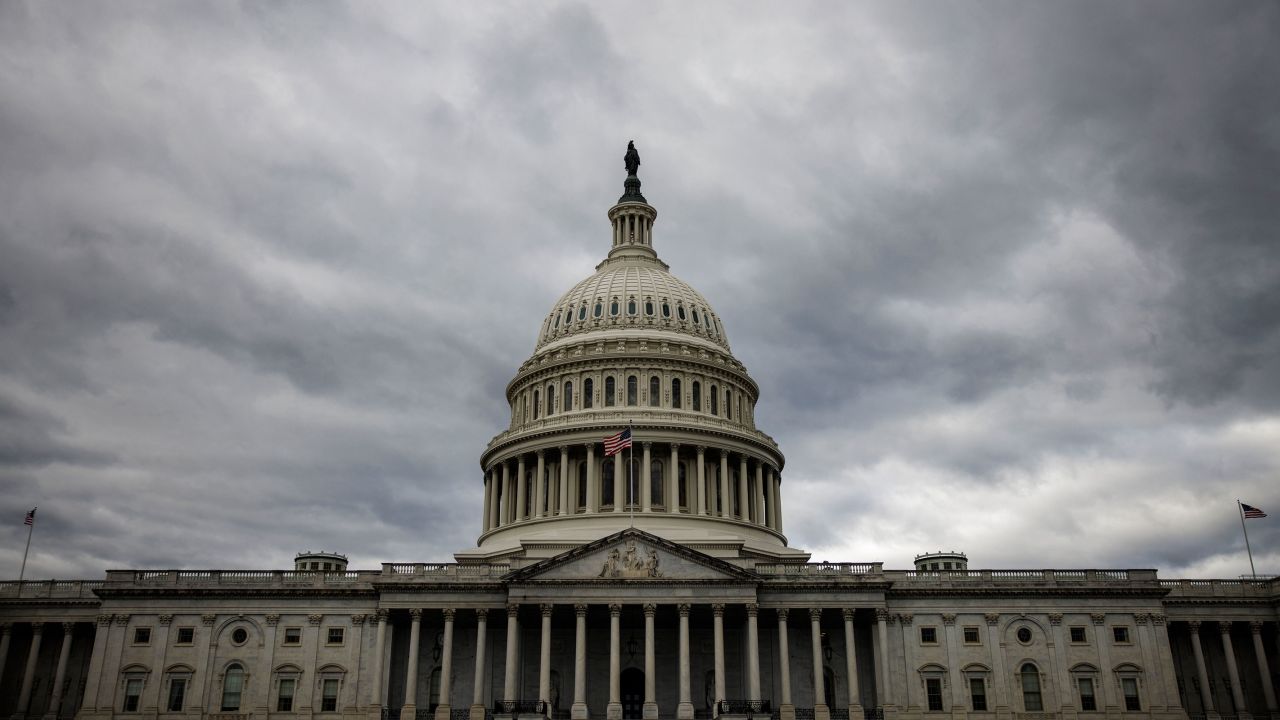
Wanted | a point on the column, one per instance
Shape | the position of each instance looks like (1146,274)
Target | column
(445,707)
(614,709)
(758,496)
(777,498)
(1150,658)
(1165,654)
(882,657)
(1062,678)
(911,689)
(702,480)
(820,709)
(997,663)
(726,507)
(544,661)
(1108,699)
(650,709)
(785,708)
(5,633)
(563,508)
(411,671)
(619,484)
(744,495)
(956,679)
(717,611)
(1206,696)
(540,486)
(477,684)
(851,665)
(1233,671)
(495,486)
(1259,652)
(96,658)
(684,711)
(522,490)
(60,675)
(29,675)
(646,479)
(593,501)
(753,655)
(579,709)
(671,498)
(379,654)
(509,677)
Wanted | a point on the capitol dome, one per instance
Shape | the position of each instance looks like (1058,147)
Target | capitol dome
(632,347)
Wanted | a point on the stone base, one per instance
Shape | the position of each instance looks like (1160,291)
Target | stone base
(958,712)
(649,711)
(443,711)
(409,711)
(684,711)
(787,712)
(613,711)
(477,713)
(578,711)
(821,712)
(855,712)
(1003,712)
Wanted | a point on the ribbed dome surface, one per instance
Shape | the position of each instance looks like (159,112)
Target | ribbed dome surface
(633,292)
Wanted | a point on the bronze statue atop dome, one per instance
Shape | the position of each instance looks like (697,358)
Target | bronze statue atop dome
(632,158)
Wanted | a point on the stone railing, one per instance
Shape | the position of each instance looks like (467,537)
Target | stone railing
(1222,588)
(445,572)
(260,578)
(819,570)
(49,588)
(1018,577)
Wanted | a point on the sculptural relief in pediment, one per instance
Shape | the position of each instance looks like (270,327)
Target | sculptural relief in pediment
(630,559)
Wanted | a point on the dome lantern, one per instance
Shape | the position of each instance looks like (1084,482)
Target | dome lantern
(633,216)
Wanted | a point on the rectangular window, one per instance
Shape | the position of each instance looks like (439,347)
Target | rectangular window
(293,636)
(329,695)
(284,696)
(177,694)
(933,688)
(978,691)
(132,694)
(335,636)
(1130,688)
(1120,633)
(972,637)
(1077,634)
(186,636)
(142,636)
(1088,702)
(928,636)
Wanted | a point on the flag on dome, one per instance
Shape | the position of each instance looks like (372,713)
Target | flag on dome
(617,443)
(1251,511)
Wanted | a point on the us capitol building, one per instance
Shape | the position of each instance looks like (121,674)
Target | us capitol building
(654,584)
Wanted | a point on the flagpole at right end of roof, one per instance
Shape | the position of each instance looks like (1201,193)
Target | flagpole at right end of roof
(1240,508)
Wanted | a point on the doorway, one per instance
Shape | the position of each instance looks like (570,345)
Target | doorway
(631,683)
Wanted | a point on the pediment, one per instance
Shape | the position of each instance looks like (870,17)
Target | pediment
(632,556)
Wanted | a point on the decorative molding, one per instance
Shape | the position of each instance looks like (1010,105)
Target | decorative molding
(120,620)
(381,615)
(815,614)
(208,619)
(449,614)
(1194,625)
(1098,618)
(1255,626)
(482,614)
(882,615)
(753,609)
(1157,619)
(415,614)
(992,619)
(357,619)
(70,627)
(948,618)
(683,609)
(650,609)
(848,613)
(164,619)
(546,609)
(717,609)
(314,618)
(271,618)
(615,609)
(906,619)
(1055,618)
(1141,618)
(580,609)
(513,610)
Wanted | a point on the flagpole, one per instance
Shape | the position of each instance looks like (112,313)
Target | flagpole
(1248,549)
(30,529)
(631,457)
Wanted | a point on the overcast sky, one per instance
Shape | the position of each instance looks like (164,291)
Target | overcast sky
(1008,274)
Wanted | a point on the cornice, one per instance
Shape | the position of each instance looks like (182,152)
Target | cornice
(228,592)
(897,591)
(554,436)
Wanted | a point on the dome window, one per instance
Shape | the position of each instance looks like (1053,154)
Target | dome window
(557,323)
(582,312)
(648,307)
(588,393)
(551,399)
(666,309)
(675,393)
(608,392)
(632,389)
(599,309)
(697,396)
(536,405)
(728,404)
(696,321)
(568,316)
(680,312)
(568,395)
(631,306)
(613,308)
(715,401)
(655,391)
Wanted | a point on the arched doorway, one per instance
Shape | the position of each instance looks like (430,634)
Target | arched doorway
(632,686)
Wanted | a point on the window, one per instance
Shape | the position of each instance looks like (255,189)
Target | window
(680,312)
(978,694)
(568,316)
(728,404)
(683,487)
(631,306)
(655,482)
(1024,635)
(933,690)
(633,483)
(239,636)
(582,484)
(284,695)
(537,406)
(697,396)
(1088,701)
(606,483)
(608,392)
(655,391)
(666,309)
(132,694)
(971,636)
(582,312)
(186,636)
(1130,688)
(928,636)
(633,390)
(598,310)
(675,394)
(1120,633)
(695,316)
(293,636)
(568,396)
(1031,688)
(329,695)
(588,389)
(551,399)
(142,636)
(648,307)
(715,401)
(1077,633)
(177,694)
(335,636)
(613,307)
(232,687)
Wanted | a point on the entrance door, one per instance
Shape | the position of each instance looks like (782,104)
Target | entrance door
(632,685)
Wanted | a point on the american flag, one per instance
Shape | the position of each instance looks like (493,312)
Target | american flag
(615,444)
(1249,511)
(31,517)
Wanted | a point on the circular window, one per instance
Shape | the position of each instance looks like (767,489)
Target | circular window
(1024,635)
(239,636)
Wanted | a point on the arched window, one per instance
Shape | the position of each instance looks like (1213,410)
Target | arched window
(680,312)
(682,485)
(536,405)
(632,390)
(557,323)
(608,392)
(666,309)
(613,307)
(1031,688)
(598,310)
(655,482)
(551,399)
(631,306)
(728,403)
(582,312)
(675,393)
(232,688)
(606,483)
(695,317)
(697,396)
(568,395)
(582,484)
(648,307)
(588,393)
(655,391)
(715,401)
(568,316)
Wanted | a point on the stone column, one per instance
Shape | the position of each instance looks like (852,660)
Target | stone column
(5,633)
(1150,660)
(522,490)
(650,709)
(1164,652)
(579,709)
(646,478)
(507,514)
(96,658)
(753,654)
(758,496)
(956,679)
(671,498)
(445,707)
(540,486)
(684,711)
(997,664)
(820,709)
(614,710)
(717,611)
(60,675)
(770,511)
(379,657)
(477,684)
(1104,662)
(1233,670)
(851,665)
(786,710)
(882,657)
(702,480)
(1206,695)
(777,498)
(544,660)
(488,502)
(29,675)
(513,637)
(619,484)
(726,506)
(411,668)
(1062,678)
(563,508)
(910,689)
(593,493)
(1258,650)
(744,494)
